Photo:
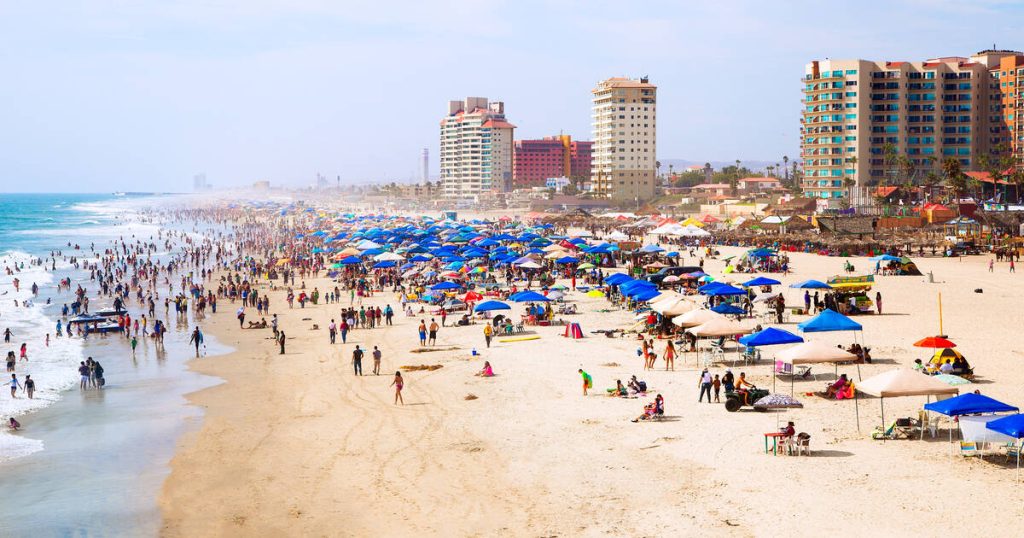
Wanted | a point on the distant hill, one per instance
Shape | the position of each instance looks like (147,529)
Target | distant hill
(682,164)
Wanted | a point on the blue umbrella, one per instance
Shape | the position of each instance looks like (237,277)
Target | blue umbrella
(386,264)
(724,290)
(351,260)
(651,249)
(811,285)
(491,305)
(528,296)
(770,337)
(446,285)
(567,259)
(885,258)
(761,281)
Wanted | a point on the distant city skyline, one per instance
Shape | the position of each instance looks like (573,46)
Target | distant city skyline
(143,97)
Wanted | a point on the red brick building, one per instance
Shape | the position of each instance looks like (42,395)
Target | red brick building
(534,161)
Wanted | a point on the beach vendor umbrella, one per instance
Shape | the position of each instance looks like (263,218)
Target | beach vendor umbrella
(778,401)
(811,285)
(446,285)
(761,281)
(728,309)
(487,306)
(528,296)
(935,342)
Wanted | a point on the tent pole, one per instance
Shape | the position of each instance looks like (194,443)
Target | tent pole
(881,401)
(856,408)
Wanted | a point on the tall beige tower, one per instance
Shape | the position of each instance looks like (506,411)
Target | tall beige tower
(625,139)
(476,149)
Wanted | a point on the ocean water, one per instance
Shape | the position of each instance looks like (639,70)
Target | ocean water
(85,462)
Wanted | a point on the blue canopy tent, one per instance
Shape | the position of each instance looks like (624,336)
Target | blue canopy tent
(770,337)
(726,308)
(830,321)
(968,404)
(724,290)
(1013,426)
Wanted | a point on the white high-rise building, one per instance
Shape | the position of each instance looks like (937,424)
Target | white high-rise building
(425,166)
(476,149)
(625,139)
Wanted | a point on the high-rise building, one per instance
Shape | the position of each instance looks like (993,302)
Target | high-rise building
(861,116)
(535,161)
(625,128)
(476,149)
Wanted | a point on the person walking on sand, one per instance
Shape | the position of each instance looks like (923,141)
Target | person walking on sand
(15,385)
(588,382)
(488,333)
(423,333)
(241,317)
(197,339)
(878,302)
(1013,268)
(717,385)
(376,360)
(705,386)
(433,332)
(991,265)
(332,329)
(670,356)
(398,383)
(280,340)
(357,361)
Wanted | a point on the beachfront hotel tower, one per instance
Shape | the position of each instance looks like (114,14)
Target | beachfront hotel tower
(476,149)
(536,161)
(625,139)
(859,114)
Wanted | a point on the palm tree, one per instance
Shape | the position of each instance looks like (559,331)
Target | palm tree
(852,181)
(785,168)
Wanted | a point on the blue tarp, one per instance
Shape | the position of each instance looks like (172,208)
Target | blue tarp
(770,337)
(1012,425)
(967,404)
(829,320)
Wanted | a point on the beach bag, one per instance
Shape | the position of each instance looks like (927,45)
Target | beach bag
(642,385)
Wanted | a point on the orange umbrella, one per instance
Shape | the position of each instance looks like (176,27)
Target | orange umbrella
(935,342)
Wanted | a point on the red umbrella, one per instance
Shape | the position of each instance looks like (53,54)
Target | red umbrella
(935,342)
(472,296)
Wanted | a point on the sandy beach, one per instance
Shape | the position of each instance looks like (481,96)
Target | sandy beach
(295,444)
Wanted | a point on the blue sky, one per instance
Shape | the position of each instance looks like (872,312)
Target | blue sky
(118,95)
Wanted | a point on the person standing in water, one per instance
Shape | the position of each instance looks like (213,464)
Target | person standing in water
(398,383)
(197,338)
(30,387)
(15,385)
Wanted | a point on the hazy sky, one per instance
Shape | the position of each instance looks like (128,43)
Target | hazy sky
(119,95)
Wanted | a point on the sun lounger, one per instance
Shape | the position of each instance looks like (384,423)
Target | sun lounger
(968,449)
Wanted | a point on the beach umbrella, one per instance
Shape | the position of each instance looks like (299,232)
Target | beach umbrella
(671,278)
(567,259)
(527,296)
(351,260)
(811,285)
(386,264)
(555,295)
(472,296)
(829,320)
(778,401)
(487,306)
(585,266)
(446,285)
(595,293)
(761,281)
(885,258)
(934,342)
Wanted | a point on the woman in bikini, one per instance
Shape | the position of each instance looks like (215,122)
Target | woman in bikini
(397,383)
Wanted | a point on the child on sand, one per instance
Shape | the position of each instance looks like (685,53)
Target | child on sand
(588,382)
(487,370)
(398,383)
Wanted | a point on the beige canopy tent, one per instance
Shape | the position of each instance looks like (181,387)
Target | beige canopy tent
(901,382)
(720,327)
(696,317)
(673,307)
(815,352)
